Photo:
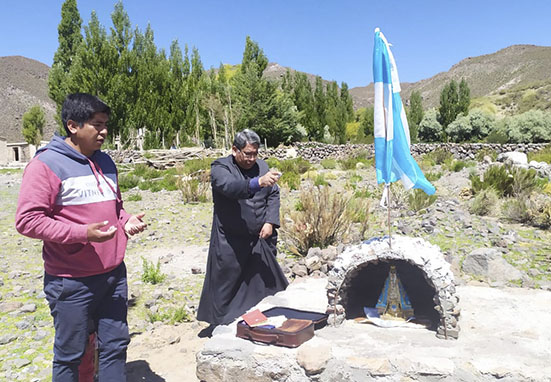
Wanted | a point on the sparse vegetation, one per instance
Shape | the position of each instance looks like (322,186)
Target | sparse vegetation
(152,273)
(486,152)
(419,200)
(496,177)
(322,220)
(484,202)
(134,197)
(329,163)
(543,155)
(195,187)
(290,180)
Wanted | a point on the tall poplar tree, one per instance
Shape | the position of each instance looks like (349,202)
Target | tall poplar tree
(69,38)
(151,111)
(448,109)
(464,96)
(178,101)
(121,93)
(95,61)
(261,108)
(33,124)
(319,106)
(303,99)
(346,103)
(415,115)
(226,95)
(195,88)
(333,116)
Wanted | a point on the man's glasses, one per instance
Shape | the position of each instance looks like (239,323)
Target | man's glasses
(249,154)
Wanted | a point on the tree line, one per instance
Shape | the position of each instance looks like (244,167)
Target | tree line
(172,100)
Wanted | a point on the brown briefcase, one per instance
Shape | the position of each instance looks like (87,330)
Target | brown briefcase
(297,329)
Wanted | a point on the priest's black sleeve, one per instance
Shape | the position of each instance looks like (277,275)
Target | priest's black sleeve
(272,206)
(226,183)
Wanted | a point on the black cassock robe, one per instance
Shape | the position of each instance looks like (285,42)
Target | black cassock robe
(241,268)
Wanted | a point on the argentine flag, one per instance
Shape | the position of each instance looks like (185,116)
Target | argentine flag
(393,160)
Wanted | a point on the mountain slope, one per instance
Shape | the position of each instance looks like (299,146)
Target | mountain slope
(23,84)
(517,65)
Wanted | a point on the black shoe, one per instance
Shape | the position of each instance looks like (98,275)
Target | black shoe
(207,332)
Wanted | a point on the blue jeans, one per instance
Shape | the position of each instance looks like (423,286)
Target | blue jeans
(74,302)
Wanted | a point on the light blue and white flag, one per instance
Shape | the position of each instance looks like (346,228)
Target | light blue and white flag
(393,160)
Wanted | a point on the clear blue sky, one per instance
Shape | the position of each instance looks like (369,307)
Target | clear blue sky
(330,38)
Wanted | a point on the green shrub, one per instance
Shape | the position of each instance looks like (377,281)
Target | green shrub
(181,314)
(324,219)
(195,188)
(134,197)
(484,202)
(194,165)
(128,182)
(542,219)
(359,211)
(152,274)
(9,171)
(419,200)
(290,179)
(542,155)
(365,193)
(155,186)
(433,175)
(441,156)
(273,162)
(350,163)
(299,206)
(157,316)
(169,182)
(146,172)
(297,165)
(486,151)
(145,185)
(320,181)
(497,177)
(170,315)
(497,135)
(458,165)
(328,163)
(353,180)
(524,181)
(302,165)
(517,210)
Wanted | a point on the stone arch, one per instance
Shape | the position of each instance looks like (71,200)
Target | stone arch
(430,278)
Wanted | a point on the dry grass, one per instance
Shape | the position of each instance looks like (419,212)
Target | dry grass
(321,217)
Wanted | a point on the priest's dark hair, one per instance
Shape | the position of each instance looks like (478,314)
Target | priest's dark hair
(245,137)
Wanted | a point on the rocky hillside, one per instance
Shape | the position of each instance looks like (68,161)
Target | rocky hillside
(496,73)
(23,84)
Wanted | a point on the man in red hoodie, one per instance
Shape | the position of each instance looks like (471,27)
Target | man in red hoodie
(70,199)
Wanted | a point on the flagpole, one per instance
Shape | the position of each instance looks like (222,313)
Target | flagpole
(388,218)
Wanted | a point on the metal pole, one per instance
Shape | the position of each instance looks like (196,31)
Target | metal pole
(388,219)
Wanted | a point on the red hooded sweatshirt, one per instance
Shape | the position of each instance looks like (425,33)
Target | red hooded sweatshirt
(63,191)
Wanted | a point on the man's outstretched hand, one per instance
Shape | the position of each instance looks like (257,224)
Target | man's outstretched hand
(95,234)
(135,224)
(269,179)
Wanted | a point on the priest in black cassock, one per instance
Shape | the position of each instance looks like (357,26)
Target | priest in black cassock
(241,268)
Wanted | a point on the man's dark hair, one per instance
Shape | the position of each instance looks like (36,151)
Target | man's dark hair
(245,137)
(81,107)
